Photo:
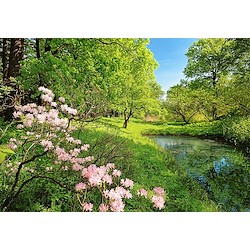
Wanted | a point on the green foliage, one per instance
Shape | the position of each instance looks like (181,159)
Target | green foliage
(208,60)
(95,74)
(4,151)
(217,82)
(237,130)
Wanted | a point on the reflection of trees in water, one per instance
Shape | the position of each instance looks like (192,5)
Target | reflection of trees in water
(218,168)
(225,182)
(231,187)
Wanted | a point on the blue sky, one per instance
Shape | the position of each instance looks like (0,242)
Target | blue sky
(170,54)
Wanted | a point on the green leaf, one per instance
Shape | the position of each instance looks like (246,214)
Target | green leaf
(2,156)
(6,150)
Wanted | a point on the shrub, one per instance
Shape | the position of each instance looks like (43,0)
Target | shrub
(47,150)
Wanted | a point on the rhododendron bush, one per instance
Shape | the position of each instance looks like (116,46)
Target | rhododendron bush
(47,133)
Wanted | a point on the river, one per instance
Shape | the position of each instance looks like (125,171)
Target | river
(220,169)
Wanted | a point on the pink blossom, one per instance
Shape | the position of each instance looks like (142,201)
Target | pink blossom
(20,126)
(110,166)
(158,201)
(80,186)
(142,192)
(127,183)
(103,207)
(85,147)
(47,144)
(123,192)
(116,173)
(77,167)
(41,118)
(53,104)
(117,205)
(61,99)
(17,114)
(87,207)
(159,191)
(46,98)
(107,178)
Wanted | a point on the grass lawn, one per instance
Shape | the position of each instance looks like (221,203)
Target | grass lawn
(148,164)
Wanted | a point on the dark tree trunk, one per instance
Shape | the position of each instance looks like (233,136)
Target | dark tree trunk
(47,45)
(127,117)
(5,59)
(183,117)
(11,68)
(38,55)
(16,55)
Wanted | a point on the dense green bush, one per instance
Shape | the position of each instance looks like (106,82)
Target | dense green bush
(237,130)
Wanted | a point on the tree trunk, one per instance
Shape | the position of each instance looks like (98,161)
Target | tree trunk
(38,55)
(16,55)
(47,47)
(127,117)
(11,69)
(5,59)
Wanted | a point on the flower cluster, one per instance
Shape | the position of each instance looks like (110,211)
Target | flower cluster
(157,198)
(115,198)
(46,126)
(142,192)
(101,177)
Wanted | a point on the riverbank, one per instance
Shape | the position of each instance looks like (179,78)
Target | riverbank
(149,164)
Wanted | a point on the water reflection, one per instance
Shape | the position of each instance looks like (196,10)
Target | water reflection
(222,171)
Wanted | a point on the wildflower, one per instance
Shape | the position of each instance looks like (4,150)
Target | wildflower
(116,173)
(159,191)
(85,147)
(61,99)
(87,207)
(47,144)
(20,126)
(142,192)
(127,183)
(53,104)
(103,208)
(158,201)
(117,205)
(80,186)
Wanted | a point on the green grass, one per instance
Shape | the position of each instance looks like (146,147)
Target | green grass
(139,158)
(149,165)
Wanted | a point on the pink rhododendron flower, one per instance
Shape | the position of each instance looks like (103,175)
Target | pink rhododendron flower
(159,191)
(127,183)
(87,207)
(17,114)
(116,173)
(142,192)
(158,201)
(103,208)
(46,98)
(47,144)
(61,99)
(85,147)
(117,205)
(80,186)
(53,104)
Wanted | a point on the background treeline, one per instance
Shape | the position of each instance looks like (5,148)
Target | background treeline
(101,77)
(216,87)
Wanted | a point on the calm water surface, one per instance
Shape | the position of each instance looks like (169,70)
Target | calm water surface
(220,169)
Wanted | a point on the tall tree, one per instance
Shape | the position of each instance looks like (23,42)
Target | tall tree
(11,58)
